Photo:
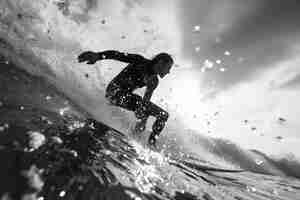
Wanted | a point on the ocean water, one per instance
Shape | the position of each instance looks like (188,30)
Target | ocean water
(47,97)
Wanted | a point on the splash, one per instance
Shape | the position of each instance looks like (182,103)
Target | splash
(148,174)
(52,33)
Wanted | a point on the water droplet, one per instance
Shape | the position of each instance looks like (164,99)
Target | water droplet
(74,153)
(259,162)
(251,189)
(62,111)
(43,118)
(227,53)
(62,193)
(80,187)
(36,139)
(218,61)
(197,28)
(275,192)
(48,97)
(56,140)
(208,64)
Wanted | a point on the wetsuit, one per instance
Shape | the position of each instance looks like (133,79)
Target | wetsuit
(137,74)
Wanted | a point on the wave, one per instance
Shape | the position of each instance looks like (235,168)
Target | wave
(212,150)
(50,150)
(223,151)
(45,55)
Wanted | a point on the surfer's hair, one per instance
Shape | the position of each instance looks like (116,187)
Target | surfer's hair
(163,56)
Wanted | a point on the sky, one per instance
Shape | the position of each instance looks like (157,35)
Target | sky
(236,75)
(261,33)
(248,53)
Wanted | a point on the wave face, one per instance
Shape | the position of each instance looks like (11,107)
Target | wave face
(51,149)
(44,38)
(224,152)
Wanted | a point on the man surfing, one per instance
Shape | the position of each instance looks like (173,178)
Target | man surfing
(140,72)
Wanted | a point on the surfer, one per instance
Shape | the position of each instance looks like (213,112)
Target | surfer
(140,72)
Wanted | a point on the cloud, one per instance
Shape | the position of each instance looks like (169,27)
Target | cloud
(90,4)
(261,32)
(292,84)
(271,18)
(264,37)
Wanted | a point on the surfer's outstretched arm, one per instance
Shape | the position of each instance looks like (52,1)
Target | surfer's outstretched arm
(121,56)
(93,57)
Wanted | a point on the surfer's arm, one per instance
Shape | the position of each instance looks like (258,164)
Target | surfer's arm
(151,85)
(92,57)
(121,56)
(148,94)
(142,107)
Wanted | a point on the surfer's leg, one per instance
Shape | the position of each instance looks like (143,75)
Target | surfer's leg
(149,109)
(124,99)
(131,102)
(159,124)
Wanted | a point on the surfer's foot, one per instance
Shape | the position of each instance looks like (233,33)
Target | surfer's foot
(152,140)
(140,126)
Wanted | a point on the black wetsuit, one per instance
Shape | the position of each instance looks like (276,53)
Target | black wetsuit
(137,74)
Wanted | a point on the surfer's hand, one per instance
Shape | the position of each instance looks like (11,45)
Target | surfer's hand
(89,56)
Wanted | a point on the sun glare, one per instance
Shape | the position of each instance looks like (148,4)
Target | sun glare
(186,100)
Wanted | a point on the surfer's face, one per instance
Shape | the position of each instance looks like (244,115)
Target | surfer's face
(162,68)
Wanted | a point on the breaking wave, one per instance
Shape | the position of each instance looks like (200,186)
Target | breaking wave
(43,45)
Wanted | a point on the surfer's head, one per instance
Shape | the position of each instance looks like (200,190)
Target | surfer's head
(162,64)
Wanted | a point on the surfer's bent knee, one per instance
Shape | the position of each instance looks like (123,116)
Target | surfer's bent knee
(160,122)
(163,116)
